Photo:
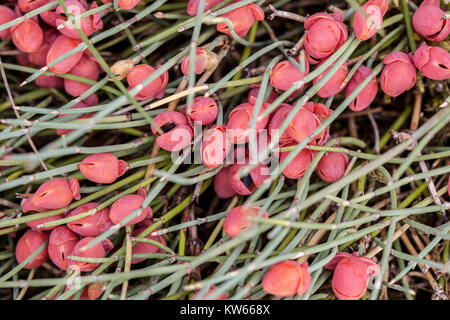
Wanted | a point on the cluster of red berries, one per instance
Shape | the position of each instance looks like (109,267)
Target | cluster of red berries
(44,39)
(64,241)
(47,37)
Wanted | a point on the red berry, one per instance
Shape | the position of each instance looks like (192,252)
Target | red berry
(102,167)
(334,85)
(88,24)
(351,274)
(287,278)
(80,250)
(366,96)
(303,124)
(35,223)
(200,62)
(125,4)
(325,34)
(332,166)
(246,185)
(285,74)
(398,75)
(50,16)
(237,220)
(177,132)
(222,184)
(203,110)
(85,68)
(6,15)
(153,89)
(192,6)
(28,5)
(59,47)
(253,94)
(366,28)
(61,243)
(27,36)
(430,21)
(44,81)
(123,207)
(215,146)
(239,122)
(92,225)
(242,19)
(278,118)
(29,243)
(433,62)
(297,167)
(95,290)
(56,193)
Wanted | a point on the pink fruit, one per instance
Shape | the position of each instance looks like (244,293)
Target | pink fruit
(102,167)
(39,57)
(285,74)
(222,184)
(366,28)
(23,60)
(351,274)
(192,6)
(50,16)
(253,94)
(332,166)
(203,110)
(177,132)
(92,225)
(153,89)
(125,4)
(287,278)
(125,206)
(88,24)
(430,21)
(201,60)
(6,15)
(215,146)
(335,84)
(237,220)
(239,122)
(278,118)
(366,96)
(85,68)
(247,184)
(325,34)
(56,193)
(303,124)
(242,19)
(59,47)
(28,5)
(81,250)
(433,62)
(44,81)
(398,75)
(35,223)
(27,36)
(29,243)
(61,243)
(297,167)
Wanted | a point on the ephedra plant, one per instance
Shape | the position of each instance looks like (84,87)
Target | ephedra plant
(155,149)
